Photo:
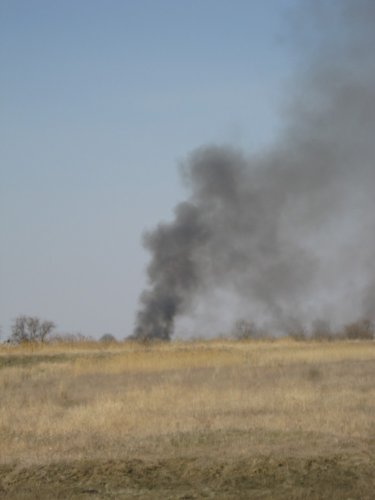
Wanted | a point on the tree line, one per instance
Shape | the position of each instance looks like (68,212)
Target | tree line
(26,329)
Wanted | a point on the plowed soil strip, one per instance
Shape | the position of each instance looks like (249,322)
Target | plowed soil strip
(335,477)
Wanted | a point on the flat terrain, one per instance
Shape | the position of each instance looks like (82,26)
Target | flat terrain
(215,419)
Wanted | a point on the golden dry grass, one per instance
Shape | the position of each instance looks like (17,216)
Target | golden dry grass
(64,402)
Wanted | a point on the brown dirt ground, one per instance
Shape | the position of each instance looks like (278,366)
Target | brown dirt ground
(334,477)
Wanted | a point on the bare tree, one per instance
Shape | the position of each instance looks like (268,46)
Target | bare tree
(321,330)
(19,330)
(45,329)
(30,329)
(363,329)
(244,330)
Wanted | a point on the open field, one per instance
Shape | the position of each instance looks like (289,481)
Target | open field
(217,419)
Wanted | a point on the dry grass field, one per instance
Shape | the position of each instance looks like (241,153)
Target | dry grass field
(215,419)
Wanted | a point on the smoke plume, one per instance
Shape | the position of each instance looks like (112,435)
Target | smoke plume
(289,231)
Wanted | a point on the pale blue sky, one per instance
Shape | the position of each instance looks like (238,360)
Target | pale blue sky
(100,100)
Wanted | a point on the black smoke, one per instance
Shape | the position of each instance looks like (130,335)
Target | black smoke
(291,230)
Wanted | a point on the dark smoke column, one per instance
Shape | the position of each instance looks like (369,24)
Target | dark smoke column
(184,252)
(172,273)
(288,233)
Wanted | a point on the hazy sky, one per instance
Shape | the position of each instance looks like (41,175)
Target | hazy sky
(100,101)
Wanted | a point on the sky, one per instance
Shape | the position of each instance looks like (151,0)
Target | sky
(100,101)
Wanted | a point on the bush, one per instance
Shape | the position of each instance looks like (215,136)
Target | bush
(107,338)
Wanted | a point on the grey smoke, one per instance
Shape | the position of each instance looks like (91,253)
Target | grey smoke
(289,231)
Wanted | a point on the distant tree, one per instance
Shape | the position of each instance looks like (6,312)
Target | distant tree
(295,329)
(30,329)
(70,338)
(321,330)
(363,329)
(244,330)
(297,333)
(107,338)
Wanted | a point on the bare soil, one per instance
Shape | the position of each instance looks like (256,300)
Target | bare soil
(334,477)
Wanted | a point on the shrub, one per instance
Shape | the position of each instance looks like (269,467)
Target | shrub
(107,338)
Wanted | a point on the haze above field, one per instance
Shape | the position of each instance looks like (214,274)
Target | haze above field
(100,101)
